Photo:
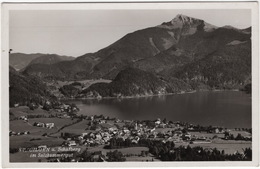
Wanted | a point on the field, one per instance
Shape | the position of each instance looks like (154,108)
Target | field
(243,133)
(133,152)
(77,128)
(20,125)
(129,150)
(24,111)
(35,137)
(19,111)
(33,141)
(59,122)
(229,146)
(80,127)
(207,135)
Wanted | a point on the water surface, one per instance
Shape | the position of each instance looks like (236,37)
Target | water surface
(223,108)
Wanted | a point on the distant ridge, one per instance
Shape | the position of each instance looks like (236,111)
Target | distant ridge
(19,61)
(50,59)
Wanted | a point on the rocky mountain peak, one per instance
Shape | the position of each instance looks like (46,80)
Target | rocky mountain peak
(190,24)
(184,19)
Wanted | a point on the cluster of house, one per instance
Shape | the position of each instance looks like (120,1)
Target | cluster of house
(66,116)
(13,133)
(97,137)
(104,131)
(59,107)
(66,108)
(44,125)
(24,118)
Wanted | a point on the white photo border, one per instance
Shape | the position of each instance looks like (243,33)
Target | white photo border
(7,7)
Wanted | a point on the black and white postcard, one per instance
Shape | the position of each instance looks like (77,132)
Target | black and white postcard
(130,84)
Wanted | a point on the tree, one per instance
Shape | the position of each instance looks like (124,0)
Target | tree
(184,131)
(164,121)
(232,137)
(226,135)
(143,153)
(239,137)
(86,156)
(47,106)
(214,137)
(155,151)
(127,142)
(69,91)
(248,154)
(115,156)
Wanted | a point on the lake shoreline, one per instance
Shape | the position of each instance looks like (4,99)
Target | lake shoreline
(143,96)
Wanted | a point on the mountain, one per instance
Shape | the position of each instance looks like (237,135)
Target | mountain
(184,48)
(131,48)
(169,59)
(21,60)
(135,82)
(192,48)
(146,43)
(27,89)
(64,70)
(227,68)
(50,59)
(109,61)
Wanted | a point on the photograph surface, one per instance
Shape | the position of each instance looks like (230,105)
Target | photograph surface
(130,85)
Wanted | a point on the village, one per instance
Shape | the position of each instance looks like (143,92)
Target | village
(97,132)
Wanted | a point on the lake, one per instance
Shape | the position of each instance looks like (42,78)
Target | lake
(231,109)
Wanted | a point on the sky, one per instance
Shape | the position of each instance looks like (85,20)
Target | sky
(77,32)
